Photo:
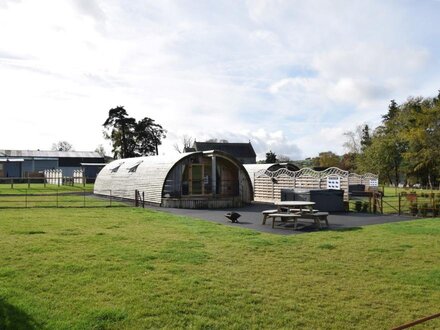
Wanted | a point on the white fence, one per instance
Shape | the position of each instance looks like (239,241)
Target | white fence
(268,185)
(56,177)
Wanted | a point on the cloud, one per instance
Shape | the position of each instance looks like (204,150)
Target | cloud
(90,8)
(291,76)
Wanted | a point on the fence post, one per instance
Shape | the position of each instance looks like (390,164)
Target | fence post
(25,199)
(57,198)
(143,199)
(12,183)
(110,198)
(84,193)
(136,198)
(381,203)
(400,203)
(29,182)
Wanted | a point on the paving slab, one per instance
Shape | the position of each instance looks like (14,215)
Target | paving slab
(251,218)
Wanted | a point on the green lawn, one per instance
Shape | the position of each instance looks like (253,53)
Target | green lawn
(127,268)
(40,188)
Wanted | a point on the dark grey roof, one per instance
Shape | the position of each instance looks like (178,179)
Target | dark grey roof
(49,154)
(235,149)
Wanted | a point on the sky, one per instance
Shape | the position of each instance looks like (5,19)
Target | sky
(289,76)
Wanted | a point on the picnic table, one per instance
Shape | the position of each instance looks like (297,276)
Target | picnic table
(293,210)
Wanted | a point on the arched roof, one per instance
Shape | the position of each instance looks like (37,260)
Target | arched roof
(122,177)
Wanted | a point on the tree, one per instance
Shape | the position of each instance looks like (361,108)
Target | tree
(148,136)
(353,142)
(327,159)
(120,130)
(187,142)
(365,138)
(271,157)
(420,119)
(131,138)
(62,146)
(348,162)
(283,159)
(100,150)
(393,110)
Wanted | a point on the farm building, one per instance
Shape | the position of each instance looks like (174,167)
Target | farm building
(208,179)
(244,152)
(28,163)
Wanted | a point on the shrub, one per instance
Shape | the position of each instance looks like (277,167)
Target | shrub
(365,206)
(358,206)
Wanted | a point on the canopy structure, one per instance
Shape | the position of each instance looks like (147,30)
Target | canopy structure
(208,179)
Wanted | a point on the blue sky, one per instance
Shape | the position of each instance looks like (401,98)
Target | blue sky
(290,76)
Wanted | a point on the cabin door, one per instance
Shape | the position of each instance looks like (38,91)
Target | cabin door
(196,179)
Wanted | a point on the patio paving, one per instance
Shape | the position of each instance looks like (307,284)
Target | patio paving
(251,218)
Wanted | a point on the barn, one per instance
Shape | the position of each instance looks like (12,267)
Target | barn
(28,163)
(202,179)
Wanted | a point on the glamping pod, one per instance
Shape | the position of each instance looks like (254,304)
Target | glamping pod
(203,179)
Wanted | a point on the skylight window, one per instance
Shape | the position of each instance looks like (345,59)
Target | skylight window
(134,167)
(116,168)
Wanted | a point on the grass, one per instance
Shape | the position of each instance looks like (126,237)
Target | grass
(127,268)
(40,188)
(50,196)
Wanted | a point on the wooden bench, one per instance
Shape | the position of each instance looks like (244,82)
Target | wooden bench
(266,213)
(317,217)
(304,210)
(285,218)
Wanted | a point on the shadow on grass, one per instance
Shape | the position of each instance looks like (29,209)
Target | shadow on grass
(348,229)
(13,318)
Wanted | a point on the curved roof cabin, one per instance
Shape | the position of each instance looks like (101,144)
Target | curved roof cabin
(208,179)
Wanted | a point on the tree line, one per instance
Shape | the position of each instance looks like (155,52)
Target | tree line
(405,148)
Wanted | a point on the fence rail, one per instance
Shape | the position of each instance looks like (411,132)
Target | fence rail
(54,198)
(58,181)
(422,204)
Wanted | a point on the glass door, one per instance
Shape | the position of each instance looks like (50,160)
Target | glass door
(196,179)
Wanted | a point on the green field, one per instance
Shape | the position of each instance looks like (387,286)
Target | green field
(127,268)
(40,188)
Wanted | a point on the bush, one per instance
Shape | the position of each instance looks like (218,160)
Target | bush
(358,206)
(365,207)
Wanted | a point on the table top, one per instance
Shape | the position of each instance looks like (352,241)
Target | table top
(294,203)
